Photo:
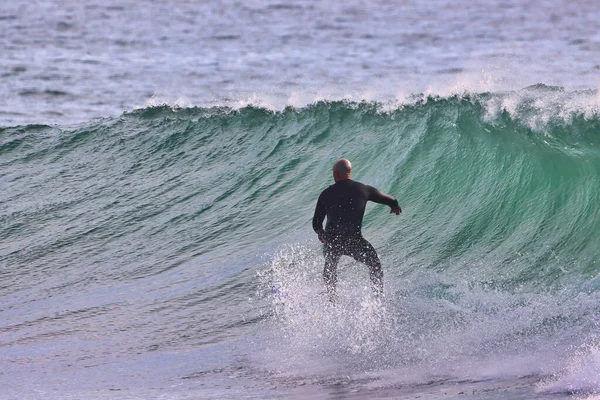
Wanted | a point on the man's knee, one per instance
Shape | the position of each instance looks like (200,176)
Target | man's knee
(374,265)
(371,258)
(330,270)
(375,270)
(376,276)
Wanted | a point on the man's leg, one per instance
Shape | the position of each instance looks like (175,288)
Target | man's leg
(332,258)
(364,252)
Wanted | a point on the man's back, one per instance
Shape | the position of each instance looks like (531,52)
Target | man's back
(344,205)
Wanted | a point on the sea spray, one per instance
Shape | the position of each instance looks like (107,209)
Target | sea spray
(580,374)
(429,327)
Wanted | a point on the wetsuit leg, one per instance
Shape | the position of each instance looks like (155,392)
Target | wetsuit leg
(332,257)
(364,252)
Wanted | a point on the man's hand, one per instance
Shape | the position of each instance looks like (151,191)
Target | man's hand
(321,238)
(396,211)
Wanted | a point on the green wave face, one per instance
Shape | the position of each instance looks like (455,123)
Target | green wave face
(499,194)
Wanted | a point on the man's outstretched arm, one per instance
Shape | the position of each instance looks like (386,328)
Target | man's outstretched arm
(382,198)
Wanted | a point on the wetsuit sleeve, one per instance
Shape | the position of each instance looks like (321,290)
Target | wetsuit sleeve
(319,215)
(382,198)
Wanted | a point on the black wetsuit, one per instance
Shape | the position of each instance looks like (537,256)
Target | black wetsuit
(344,205)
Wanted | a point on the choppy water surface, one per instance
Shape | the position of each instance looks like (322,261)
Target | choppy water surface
(71,61)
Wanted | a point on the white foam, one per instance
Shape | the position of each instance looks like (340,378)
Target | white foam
(535,107)
(580,375)
(428,328)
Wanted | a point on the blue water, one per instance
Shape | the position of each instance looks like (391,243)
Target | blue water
(66,62)
(160,164)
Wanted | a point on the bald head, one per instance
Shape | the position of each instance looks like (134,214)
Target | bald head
(342,169)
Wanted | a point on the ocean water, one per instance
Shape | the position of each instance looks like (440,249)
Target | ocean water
(159,166)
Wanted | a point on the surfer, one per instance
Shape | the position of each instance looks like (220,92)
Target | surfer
(344,204)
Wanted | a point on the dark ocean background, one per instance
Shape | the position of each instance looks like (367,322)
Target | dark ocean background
(160,163)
